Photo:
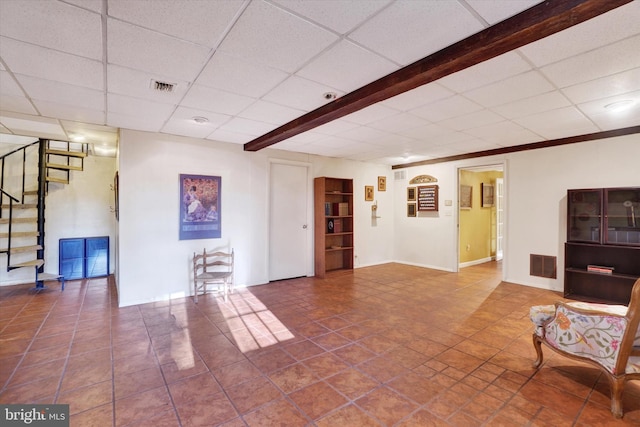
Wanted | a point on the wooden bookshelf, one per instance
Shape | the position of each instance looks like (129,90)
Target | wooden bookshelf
(333,228)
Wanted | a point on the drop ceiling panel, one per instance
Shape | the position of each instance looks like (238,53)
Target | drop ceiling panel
(62,93)
(125,81)
(303,94)
(494,11)
(82,34)
(418,97)
(235,75)
(472,120)
(560,123)
(504,133)
(371,114)
(69,112)
(227,136)
(93,5)
(287,43)
(616,84)
(125,109)
(535,104)
(269,112)
(203,22)
(18,104)
(246,126)
(419,28)
(341,19)
(398,123)
(144,123)
(358,67)
(446,109)
(215,100)
(145,50)
(181,122)
(29,125)
(36,61)
(8,86)
(512,89)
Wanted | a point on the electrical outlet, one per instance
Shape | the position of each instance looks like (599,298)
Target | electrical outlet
(468,247)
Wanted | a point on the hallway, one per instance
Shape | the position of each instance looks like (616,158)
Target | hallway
(388,345)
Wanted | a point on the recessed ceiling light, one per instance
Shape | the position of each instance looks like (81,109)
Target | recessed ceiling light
(77,138)
(200,120)
(620,105)
(330,96)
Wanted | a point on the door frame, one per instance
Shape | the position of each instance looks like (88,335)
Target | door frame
(475,167)
(309,220)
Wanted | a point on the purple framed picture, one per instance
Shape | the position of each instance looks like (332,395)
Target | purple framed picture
(200,214)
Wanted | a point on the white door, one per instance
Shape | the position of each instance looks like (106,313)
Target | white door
(288,228)
(499,217)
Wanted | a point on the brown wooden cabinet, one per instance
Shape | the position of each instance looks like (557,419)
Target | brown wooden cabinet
(602,253)
(333,224)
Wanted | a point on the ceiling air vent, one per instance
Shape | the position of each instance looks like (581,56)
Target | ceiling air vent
(162,86)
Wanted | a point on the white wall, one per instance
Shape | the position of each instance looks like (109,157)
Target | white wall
(536,185)
(155,265)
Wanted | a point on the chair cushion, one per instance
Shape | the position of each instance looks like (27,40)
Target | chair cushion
(213,275)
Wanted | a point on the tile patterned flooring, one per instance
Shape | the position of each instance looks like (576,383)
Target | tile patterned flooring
(388,345)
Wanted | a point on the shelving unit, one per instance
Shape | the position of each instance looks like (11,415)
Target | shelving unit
(333,217)
(603,229)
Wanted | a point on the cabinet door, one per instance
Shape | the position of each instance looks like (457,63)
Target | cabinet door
(622,216)
(584,211)
(84,257)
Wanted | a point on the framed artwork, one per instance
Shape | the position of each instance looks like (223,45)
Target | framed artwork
(487,191)
(411,209)
(411,194)
(465,196)
(428,198)
(382,183)
(200,207)
(368,193)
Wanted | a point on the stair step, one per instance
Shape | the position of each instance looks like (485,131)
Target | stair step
(64,167)
(30,193)
(33,263)
(19,220)
(60,180)
(78,154)
(20,206)
(15,234)
(20,249)
(48,276)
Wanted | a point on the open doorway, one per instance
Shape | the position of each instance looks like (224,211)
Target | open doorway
(481,216)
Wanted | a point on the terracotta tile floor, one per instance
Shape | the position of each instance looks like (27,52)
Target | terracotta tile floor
(390,345)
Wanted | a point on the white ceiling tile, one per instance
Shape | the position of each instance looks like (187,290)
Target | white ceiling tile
(227,136)
(8,85)
(146,50)
(504,133)
(487,72)
(595,64)
(269,112)
(598,106)
(419,28)
(418,97)
(184,114)
(399,123)
(335,127)
(135,107)
(533,105)
(299,93)
(93,5)
(342,17)
(30,60)
(19,104)
(560,123)
(125,81)
(374,136)
(187,128)
(370,114)
(446,108)
(268,35)
(238,76)
(494,11)
(615,84)
(215,100)
(608,120)
(509,90)
(62,93)
(23,124)
(126,121)
(426,132)
(199,21)
(472,120)
(246,126)
(92,133)
(358,67)
(39,22)
(303,138)
(69,112)
(620,23)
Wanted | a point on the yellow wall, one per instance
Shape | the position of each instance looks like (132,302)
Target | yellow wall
(477,225)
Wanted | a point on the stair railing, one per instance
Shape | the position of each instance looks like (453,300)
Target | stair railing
(3,158)
(11,200)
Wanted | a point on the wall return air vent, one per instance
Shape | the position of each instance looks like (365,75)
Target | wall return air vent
(162,86)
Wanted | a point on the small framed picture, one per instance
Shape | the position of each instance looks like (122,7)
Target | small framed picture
(368,193)
(487,195)
(411,194)
(382,183)
(465,196)
(411,209)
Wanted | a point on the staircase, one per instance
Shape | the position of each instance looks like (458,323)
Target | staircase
(25,175)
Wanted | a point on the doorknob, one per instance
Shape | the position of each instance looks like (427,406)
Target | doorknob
(304,226)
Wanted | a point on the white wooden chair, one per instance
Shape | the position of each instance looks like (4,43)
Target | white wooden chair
(215,268)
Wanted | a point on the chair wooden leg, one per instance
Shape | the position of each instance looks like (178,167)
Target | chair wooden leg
(195,288)
(537,344)
(617,386)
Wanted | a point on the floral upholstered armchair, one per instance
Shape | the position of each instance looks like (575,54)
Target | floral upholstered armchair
(607,336)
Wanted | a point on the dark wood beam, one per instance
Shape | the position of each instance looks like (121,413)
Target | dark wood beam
(542,20)
(526,147)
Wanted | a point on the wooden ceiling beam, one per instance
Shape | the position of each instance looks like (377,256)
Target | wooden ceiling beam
(542,20)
